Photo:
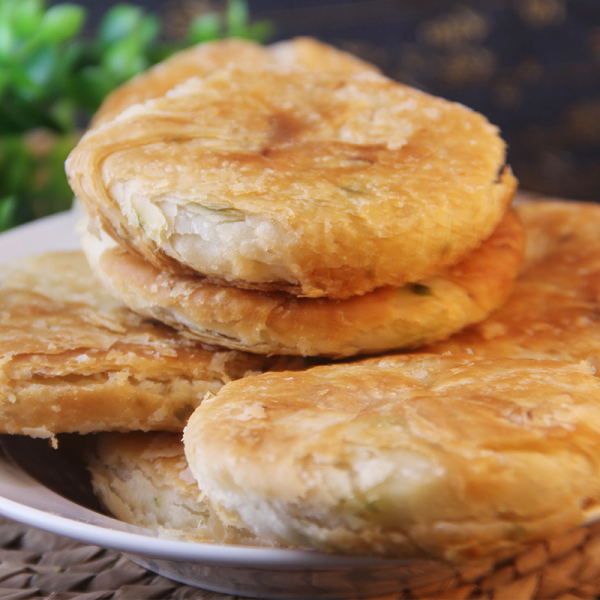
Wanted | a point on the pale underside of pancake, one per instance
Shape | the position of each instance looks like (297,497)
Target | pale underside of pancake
(73,359)
(312,182)
(281,323)
(143,479)
(205,58)
(451,457)
(554,309)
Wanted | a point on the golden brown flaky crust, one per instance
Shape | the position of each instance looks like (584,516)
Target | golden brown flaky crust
(197,61)
(280,323)
(554,309)
(73,359)
(452,457)
(143,479)
(282,178)
(205,58)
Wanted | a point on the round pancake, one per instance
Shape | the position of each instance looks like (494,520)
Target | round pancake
(281,323)
(316,183)
(143,479)
(73,359)
(554,309)
(451,457)
(205,58)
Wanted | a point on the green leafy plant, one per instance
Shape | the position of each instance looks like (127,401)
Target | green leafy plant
(54,75)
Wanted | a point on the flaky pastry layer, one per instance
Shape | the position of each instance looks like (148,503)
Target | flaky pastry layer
(553,311)
(143,479)
(73,359)
(280,323)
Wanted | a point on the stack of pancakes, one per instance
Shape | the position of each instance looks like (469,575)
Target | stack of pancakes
(251,211)
(292,200)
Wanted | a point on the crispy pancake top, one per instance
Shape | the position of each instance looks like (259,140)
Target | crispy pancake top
(317,183)
(205,58)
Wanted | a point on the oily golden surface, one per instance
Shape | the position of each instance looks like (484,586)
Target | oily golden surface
(313,182)
(73,359)
(281,323)
(554,309)
(143,479)
(452,457)
(205,58)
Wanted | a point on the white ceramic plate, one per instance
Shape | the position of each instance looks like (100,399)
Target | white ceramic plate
(41,487)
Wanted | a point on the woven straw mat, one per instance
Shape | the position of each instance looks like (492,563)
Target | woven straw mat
(37,564)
